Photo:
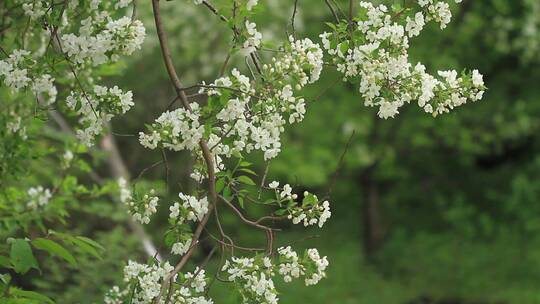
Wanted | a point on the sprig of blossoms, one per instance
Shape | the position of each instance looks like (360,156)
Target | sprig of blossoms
(378,57)
(310,211)
(102,39)
(33,9)
(175,130)
(15,126)
(190,209)
(240,116)
(254,276)
(253,39)
(19,71)
(38,197)
(140,208)
(311,265)
(143,285)
(436,10)
(97,108)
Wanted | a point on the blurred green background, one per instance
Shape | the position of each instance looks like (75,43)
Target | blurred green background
(424,210)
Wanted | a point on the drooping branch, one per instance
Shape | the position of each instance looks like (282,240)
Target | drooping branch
(175,80)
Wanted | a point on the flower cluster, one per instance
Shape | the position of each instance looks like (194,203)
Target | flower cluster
(237,118)
(143,285)
(175,130)
(315,267)
(254,276)
(254,37)
(378,56)
(38,197)
(15,126)
(436,10)
(255,122)
(190,209)
(310,211)
(67,159)
(33,9)
(97,108)
(18,72)
(254,279)
(102,39)
(311,265)
(140,208)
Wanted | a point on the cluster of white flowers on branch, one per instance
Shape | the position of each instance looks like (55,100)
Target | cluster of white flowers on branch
(191,209)
(377,53)
(97,108)
(18,71)
(140,208)
(175,130)
(99,37)
(240,116)
(254,276)
(38,197)
(103,39)
(143,284)
(310,211)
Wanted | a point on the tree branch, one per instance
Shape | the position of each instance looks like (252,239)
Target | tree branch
(175,80)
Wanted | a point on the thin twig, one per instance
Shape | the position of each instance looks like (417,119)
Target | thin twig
(338,168)
(293,16)
(167,59)
(332,10)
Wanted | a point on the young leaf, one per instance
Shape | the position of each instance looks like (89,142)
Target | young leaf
(241,201)
(55,249)
(220,184)
(86,248)
(248,171)
(32,295)
(91,242)
(246,180)
(4,262)
(22,257)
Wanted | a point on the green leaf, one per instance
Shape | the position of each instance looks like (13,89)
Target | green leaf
(30,295)
(248,171)
(5,262)
(55,249)
(227,194)
(220,184)
(91,242)
(22,257)
(245,164)
(280,212)
(246,180)
(86,248)
(241,202)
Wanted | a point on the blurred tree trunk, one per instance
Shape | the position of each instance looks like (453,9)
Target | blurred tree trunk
(373,232)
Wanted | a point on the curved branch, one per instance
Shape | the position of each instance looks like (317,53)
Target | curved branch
(175,80)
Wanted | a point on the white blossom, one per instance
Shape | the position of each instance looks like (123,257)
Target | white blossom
(39,197)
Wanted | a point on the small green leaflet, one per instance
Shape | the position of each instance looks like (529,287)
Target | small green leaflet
(22,257)
(55,249)
(32,295)
(246,180)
